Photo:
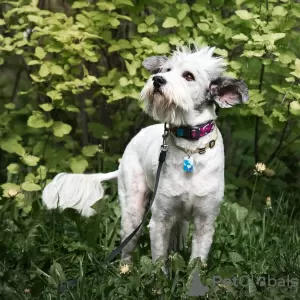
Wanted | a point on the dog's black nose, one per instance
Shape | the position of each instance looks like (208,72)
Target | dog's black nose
(158,81)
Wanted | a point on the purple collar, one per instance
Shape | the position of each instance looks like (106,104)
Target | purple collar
(193,132)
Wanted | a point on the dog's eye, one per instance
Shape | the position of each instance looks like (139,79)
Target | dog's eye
(168,70)
(188,76)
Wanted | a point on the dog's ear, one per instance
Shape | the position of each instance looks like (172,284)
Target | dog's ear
(228,92)
(154,63)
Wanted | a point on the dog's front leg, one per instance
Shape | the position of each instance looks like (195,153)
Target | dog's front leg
(160,230)
(202,236)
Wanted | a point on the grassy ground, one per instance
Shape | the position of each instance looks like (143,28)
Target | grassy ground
(42,249)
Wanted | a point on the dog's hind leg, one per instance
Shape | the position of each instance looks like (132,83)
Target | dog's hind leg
(133,195)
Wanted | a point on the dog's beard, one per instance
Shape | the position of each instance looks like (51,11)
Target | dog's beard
(159,106)
(162,105)
(159,99)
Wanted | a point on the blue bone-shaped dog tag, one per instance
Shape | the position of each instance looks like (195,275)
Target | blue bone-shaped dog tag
(188,165)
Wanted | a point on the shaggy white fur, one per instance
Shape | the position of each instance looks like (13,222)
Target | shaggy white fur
(181,92)
(79,191)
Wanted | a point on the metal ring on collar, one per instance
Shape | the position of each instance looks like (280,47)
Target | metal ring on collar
(212,143)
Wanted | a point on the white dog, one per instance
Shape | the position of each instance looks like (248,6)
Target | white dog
(182,92)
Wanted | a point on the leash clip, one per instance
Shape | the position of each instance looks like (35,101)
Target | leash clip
(164,146)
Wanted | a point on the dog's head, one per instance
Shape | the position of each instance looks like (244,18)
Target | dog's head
(186,82)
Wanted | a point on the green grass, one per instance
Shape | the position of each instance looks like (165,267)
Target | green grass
(42,249)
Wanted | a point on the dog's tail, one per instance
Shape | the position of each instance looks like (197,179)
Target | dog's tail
(78,191)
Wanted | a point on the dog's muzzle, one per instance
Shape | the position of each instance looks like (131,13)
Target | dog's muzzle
(158,81)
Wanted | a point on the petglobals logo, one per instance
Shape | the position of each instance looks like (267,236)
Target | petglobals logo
(259,281)
(197,288)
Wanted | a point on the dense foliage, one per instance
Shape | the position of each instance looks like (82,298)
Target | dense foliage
(70,81)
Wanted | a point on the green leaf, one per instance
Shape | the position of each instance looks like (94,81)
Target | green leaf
(240,212)
(72,108)
(57,274)
(149,20)
(2,22)
(270,37)
(37,120)
(55,69)
(30,160)
(44,70)
(106,6)
(114,22)
(297,68)
(182,14)
(10,106)
(187,22)
(203,27)
(146,265)
(286,58)
(295,108)
(278,114)
(80,4)
(250,53)
(34,3)
(199,7)
(46,106)
(34,62)
(235,257)
(124,81)
(279,11)
(78,164)
(178,262)
(36,78)
(244,14)
(41,172)
(170,22)
(240,37)
(222,52)
(30,186)
(142,28)
(235,65)
(297,64)
(60,129)
(162,48)
(40,53)
(114,48)
(30,177)
(13,168)
(35,19)
(130,68)
(11,144)
(10,189)
(54,95)
(90,150)
(124,2)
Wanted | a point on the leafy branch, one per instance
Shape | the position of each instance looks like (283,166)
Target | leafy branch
(282,137)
